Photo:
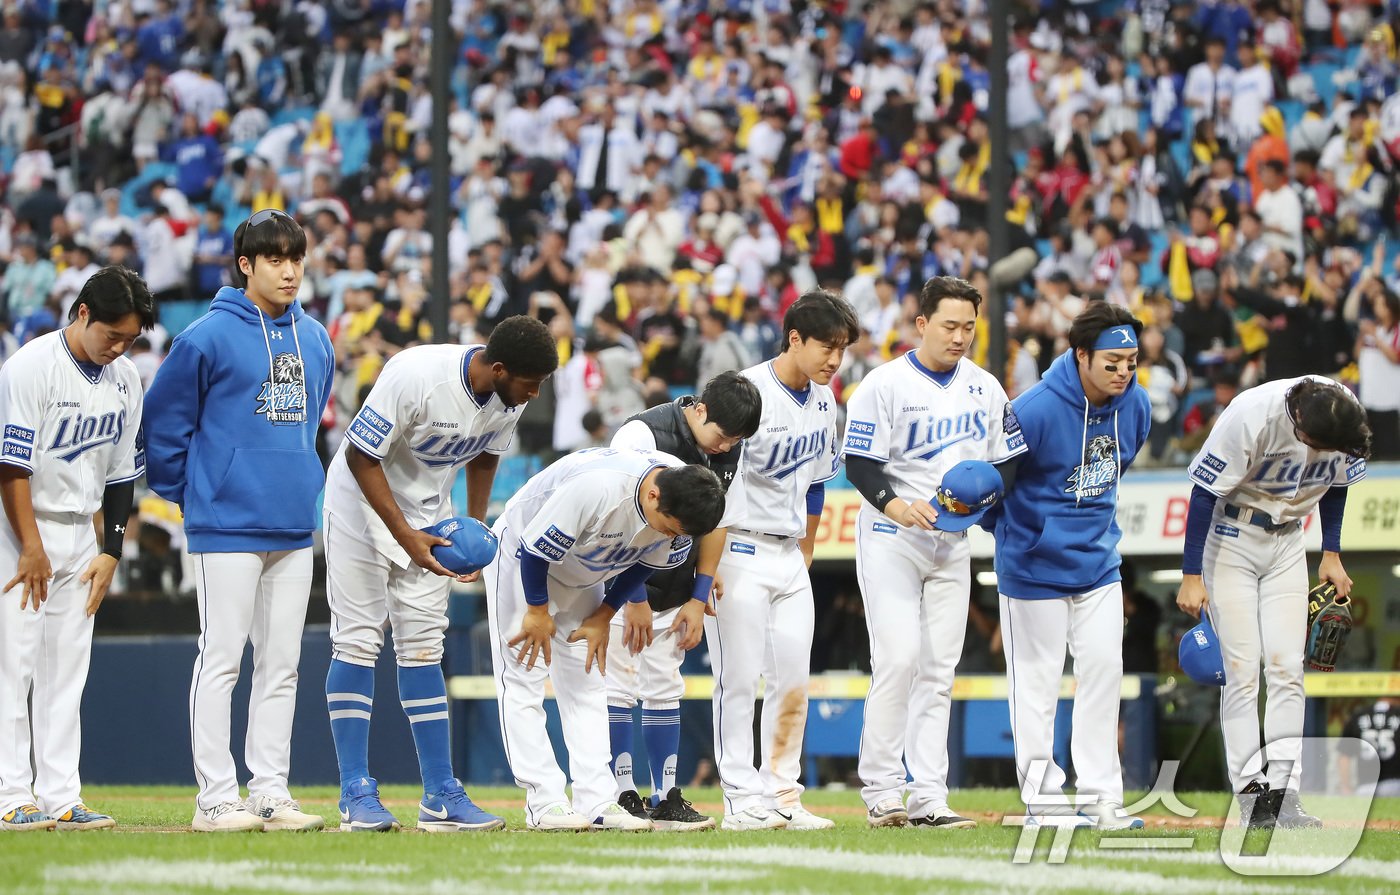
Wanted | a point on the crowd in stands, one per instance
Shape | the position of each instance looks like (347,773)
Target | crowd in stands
(659,180)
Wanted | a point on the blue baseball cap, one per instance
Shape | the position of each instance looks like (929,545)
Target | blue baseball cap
(1200,656)
(473,545)
(966,493)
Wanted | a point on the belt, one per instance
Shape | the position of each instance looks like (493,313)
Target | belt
(761,534)
(1254,517)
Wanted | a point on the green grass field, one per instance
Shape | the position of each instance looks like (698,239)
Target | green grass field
(152,852)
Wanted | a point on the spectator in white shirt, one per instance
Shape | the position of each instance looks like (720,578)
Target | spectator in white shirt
(1280,211)
(1253,92)
(70,282)
(655,232)
(1210,82)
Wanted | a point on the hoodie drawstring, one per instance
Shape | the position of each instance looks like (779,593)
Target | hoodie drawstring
(1083,453)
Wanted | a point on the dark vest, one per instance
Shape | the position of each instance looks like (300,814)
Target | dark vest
(669,588)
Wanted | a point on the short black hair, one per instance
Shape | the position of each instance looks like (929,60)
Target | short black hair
(693,496)
(821,315)
(277,236)
(1096,317)
(114,292)
(733,403)
(524,347)
(1330,416)
(937,289)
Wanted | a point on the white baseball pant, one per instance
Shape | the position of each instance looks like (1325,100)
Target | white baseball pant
(260,597)
(1257,584)
(762,629)
(1036,633)
(364,587)
(47,650)
(653,676)
(916,586)
(582,697)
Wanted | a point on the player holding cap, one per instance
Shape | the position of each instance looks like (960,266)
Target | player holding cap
(704,431)
(909,423)
(433,409)
(1057,565)
(1276,452)
(231,425)
(762,629)
(70,407)
(593,517)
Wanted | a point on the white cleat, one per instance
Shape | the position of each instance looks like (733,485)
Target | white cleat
(284,814)
(1109,817)
(887,813)
(560,818)
(226,817)
(755,818)
(615,817)
(799,818)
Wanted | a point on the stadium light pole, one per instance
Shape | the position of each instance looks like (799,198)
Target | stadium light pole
(998,183)
(439,198)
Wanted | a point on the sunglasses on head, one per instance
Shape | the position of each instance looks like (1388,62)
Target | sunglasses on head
(266,215)
(950,503)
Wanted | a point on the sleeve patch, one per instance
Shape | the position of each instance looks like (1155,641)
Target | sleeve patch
(19,451)
(379,423)
(1016,442)
(1214,462)
(558,538)
(860,428)
(1010,425)
(1356,470)
(366,433)
(1203,475)
(548,549)
(19,433)
(857,443)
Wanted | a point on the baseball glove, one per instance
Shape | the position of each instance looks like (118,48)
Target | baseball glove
(1329,623)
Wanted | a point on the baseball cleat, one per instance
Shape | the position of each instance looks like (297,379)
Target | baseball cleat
(887,813)
(1109,817)
(1256,811)
(560,818)
(631,801)
(27,819)
(675,814)
(755,818)
(799,818)
(1290,813)
(226,817)
(451,811)
(615,817)
(949,821)
(284,814)
(361,811)
(81,818)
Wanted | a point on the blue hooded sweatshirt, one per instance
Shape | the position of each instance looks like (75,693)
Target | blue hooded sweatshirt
(231,423)
(1057,529)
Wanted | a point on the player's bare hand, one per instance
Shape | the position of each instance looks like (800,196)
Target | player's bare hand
(919,514)
(98,578)
(636,628)
(594,632)
(419,546)
(34,572)
(536,630)
(689,625)
(1330,569)
(1191,598)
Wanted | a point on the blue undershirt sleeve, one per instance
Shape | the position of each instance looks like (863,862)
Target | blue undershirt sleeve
(534,576)
(816,498)
(1197,528)
(1331,509)
(629,586)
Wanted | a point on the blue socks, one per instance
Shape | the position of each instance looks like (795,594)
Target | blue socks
(661,730)
(423,694)
(349,698)
(620,739)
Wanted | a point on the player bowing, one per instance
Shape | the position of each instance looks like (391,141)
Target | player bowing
(1057,565)
(762,629)
(434,409)
(1276,452)
(908,423)
(593,517)
(70,404)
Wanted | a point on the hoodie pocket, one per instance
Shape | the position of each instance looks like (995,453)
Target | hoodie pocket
(1070,550)
(267,489)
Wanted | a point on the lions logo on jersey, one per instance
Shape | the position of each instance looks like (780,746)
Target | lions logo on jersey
(1099,470)
(283,396)
(79,433)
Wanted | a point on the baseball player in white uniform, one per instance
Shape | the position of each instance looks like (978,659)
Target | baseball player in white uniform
(593,517)
(762,628)
(908,423)
(434,409)
(1276,452)
(70,407)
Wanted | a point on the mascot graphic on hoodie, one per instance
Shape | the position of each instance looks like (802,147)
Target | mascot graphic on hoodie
(283,396)
(1098,471)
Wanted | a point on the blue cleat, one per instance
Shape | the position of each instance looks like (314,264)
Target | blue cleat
(361,811)
(81,817)
(26,819)
(452,811)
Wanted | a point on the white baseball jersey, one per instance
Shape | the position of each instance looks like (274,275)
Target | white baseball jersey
(75,426)
(423,422)
(794,448)
(1252,457)
(901,416)
(583,515)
